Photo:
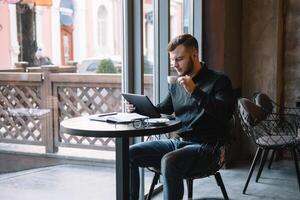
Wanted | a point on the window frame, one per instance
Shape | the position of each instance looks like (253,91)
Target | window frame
(133,59)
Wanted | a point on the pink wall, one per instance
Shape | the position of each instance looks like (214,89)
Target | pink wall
(47,32)
(4,37)
(89,26)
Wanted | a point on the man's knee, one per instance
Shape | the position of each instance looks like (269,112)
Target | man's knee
(168,162)
(136,153)
(133,151)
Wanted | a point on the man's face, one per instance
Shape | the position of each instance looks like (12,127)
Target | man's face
(182,60)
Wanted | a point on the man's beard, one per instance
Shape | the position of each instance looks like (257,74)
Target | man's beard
(190,67)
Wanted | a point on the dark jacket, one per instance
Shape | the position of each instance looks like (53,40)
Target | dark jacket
(205,112)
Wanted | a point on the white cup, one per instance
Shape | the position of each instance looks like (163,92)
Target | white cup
(172,79)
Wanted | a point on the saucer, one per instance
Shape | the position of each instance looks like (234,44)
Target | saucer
(157,121)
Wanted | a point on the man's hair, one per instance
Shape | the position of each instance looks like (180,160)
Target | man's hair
(187,40)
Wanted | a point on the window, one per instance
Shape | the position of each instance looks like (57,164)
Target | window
(148,43)
(26,31)
(92,35)
(102,26)
(179,20)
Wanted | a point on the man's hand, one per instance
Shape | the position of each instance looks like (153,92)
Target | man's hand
(187,83)
(129,107)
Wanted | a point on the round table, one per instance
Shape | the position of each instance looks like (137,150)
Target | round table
(83,126)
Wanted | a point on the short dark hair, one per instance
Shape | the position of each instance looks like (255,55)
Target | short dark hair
(187,40)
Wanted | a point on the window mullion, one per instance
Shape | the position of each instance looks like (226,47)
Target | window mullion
(161,39)
(197,24)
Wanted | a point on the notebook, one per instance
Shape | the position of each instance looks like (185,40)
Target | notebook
(117,117)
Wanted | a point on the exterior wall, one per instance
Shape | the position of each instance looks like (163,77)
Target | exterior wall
(39,13)
(89,28)
(47,32)
(5,47)
(259,47)
(108,49)
(292,52)
(9,48)
(118,29)
(44,30)
(14,44)
(80,30)
(55,33)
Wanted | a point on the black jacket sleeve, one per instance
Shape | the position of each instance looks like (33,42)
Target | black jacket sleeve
(219,103)
(166,106)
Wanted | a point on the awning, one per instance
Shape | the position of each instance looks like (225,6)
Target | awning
(66,12)
(38,2)
(12,1)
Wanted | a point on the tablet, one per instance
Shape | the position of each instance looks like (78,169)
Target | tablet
(142,104)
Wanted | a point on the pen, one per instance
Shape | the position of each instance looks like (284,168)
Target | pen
(107,114)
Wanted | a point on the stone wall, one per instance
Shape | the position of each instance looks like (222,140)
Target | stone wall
(271,49)
(292,53)
(222,37)
(233,35)
(259,47)
(260,51)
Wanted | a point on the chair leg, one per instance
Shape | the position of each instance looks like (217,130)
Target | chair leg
(271,159)
(221,185)
(262,163)
(296,165)
(189,183)
(154,182)
(257,155)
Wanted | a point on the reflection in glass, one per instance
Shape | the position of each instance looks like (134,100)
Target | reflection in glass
(148,33)
(179,20)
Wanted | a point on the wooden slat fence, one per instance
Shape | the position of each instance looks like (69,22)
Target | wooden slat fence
(19,90)
(66,95)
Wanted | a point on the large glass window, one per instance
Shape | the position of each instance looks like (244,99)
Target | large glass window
(61,34)
(97,32)
(102,26)
(179,20)
(84,39)
(148,43)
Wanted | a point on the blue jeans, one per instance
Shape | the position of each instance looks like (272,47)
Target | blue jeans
(175,158)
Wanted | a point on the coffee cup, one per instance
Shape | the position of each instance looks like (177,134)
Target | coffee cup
(172,79)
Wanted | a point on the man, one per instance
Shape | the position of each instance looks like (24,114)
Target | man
(202,99)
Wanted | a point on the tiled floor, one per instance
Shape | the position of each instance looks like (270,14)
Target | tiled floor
(78,182)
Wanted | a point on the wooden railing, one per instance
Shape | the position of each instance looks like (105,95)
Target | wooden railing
(65,95)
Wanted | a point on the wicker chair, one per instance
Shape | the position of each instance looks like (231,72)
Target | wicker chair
(271,106)
(268,131)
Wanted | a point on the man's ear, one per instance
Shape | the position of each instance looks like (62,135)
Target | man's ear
(195,54)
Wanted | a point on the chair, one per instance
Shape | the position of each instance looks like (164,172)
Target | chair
(190,177)
(269,131)
(270,106)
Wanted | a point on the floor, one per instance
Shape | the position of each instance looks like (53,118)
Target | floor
(78,182)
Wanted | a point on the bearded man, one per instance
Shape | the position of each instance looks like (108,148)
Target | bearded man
(203,100)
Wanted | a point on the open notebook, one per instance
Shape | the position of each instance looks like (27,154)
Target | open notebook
(117,117)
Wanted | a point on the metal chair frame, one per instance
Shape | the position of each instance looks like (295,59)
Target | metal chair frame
(269,131)
(189,182)
(271,106)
